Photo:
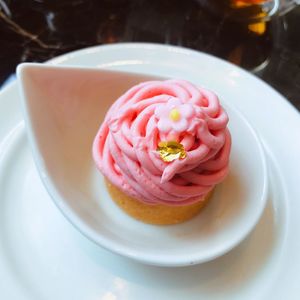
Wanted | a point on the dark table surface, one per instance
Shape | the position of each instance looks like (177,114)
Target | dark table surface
(38,30)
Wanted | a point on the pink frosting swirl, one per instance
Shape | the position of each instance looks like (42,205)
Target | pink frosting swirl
(125,147)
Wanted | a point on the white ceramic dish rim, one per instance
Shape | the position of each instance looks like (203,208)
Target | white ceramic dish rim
(116,247)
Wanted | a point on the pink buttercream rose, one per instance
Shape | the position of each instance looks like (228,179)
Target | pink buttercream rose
(125,147)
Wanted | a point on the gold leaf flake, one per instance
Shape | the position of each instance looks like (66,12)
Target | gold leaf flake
(170,151)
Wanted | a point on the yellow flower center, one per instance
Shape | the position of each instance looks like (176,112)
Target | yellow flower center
(174,115)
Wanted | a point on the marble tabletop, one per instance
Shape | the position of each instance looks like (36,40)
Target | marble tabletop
(36,30)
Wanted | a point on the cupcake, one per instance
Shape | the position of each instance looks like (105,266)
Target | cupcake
(162,148)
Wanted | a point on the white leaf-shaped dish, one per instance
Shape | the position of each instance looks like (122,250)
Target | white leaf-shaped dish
(63,108)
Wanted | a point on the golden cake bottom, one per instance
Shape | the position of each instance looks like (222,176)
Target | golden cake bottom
(158,214)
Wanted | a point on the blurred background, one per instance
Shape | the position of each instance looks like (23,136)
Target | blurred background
(235,30)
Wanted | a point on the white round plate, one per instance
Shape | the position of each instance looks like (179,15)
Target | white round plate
(43,257)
